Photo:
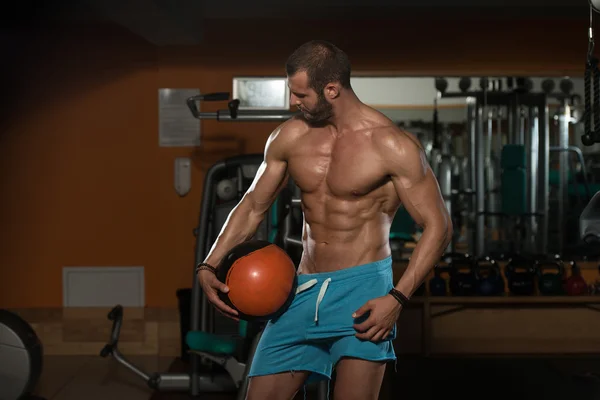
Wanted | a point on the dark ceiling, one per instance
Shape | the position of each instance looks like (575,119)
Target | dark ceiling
(179,22)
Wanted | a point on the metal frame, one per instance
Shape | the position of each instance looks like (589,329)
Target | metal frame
(477,119)
(200,311)
(233,112)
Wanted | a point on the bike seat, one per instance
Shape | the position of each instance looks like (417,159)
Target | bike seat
(211,343)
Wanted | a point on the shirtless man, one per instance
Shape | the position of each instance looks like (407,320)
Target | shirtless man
(354,168)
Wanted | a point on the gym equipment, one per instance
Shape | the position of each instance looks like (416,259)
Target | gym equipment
(21,357)
(438,286)
(550,283)
(514,180)
(233,113)
(591,135)
(589,221)
(489,277)
(507,193)
(520,273)
(219,350)
(575,284)
(463,281)
(528,122)
(261,278)
(218,360)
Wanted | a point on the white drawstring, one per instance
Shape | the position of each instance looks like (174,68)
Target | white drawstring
(307,285)
(321,295)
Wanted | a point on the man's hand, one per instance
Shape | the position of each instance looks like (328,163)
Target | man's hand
(211,285)
(383,314)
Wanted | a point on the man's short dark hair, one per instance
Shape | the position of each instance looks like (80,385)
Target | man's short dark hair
(323,63)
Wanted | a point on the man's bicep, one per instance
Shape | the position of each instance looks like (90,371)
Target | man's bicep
(270,177)
(422,199)
(417,186)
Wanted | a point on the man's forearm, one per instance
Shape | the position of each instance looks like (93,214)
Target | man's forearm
(241,225)
(429,249)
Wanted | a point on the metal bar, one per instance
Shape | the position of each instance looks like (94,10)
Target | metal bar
(233,113)
(563,184)
(522,125)
(515,119)
(246,116)
(199,306)
(122,360)
(472,128)
(490,176)
(543,174)
(500,98)
(479,184)
(533,161)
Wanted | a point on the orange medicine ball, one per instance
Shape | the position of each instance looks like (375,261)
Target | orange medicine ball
(261,278)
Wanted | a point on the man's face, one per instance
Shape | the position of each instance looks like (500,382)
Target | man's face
(313,105)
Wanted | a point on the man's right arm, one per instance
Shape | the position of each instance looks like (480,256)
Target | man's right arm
(244,220)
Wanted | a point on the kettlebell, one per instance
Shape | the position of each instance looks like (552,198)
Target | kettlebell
(462,276)
(489,277)
(438,286)
(575,284)
(550,283)
(520,275)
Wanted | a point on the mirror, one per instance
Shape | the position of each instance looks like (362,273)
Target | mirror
(507,153)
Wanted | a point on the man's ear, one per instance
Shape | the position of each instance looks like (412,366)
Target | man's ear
(332,91)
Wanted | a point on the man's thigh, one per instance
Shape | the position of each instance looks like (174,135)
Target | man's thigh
(281,386)
(358,379)
(360,366)
(284,346)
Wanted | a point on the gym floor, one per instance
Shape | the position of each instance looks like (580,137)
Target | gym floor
(96,378)
(91,378)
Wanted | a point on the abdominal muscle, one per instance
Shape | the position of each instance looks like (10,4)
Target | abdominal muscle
(341,234)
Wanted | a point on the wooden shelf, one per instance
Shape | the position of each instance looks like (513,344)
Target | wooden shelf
(506,299)
(507,324)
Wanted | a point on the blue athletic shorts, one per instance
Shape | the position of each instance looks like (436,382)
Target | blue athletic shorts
(317,329)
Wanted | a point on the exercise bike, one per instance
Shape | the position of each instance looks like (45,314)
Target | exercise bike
(21,358)
(220,350)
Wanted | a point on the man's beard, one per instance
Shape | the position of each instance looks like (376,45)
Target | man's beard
(321,113)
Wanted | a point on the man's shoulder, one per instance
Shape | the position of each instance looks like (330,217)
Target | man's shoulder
(285,136)
(386,132)
(391,137)
(290,129)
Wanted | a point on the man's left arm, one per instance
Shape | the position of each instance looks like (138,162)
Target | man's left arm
(419,191)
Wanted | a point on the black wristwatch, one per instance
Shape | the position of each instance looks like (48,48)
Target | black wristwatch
(402,299)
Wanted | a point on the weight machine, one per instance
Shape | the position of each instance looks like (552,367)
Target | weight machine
(589,220)
(507,184)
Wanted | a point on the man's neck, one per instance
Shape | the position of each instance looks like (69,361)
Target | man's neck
(345,112)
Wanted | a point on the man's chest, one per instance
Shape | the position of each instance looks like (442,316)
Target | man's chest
(348,166)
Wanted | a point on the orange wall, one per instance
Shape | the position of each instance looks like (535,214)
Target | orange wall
(83,180)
